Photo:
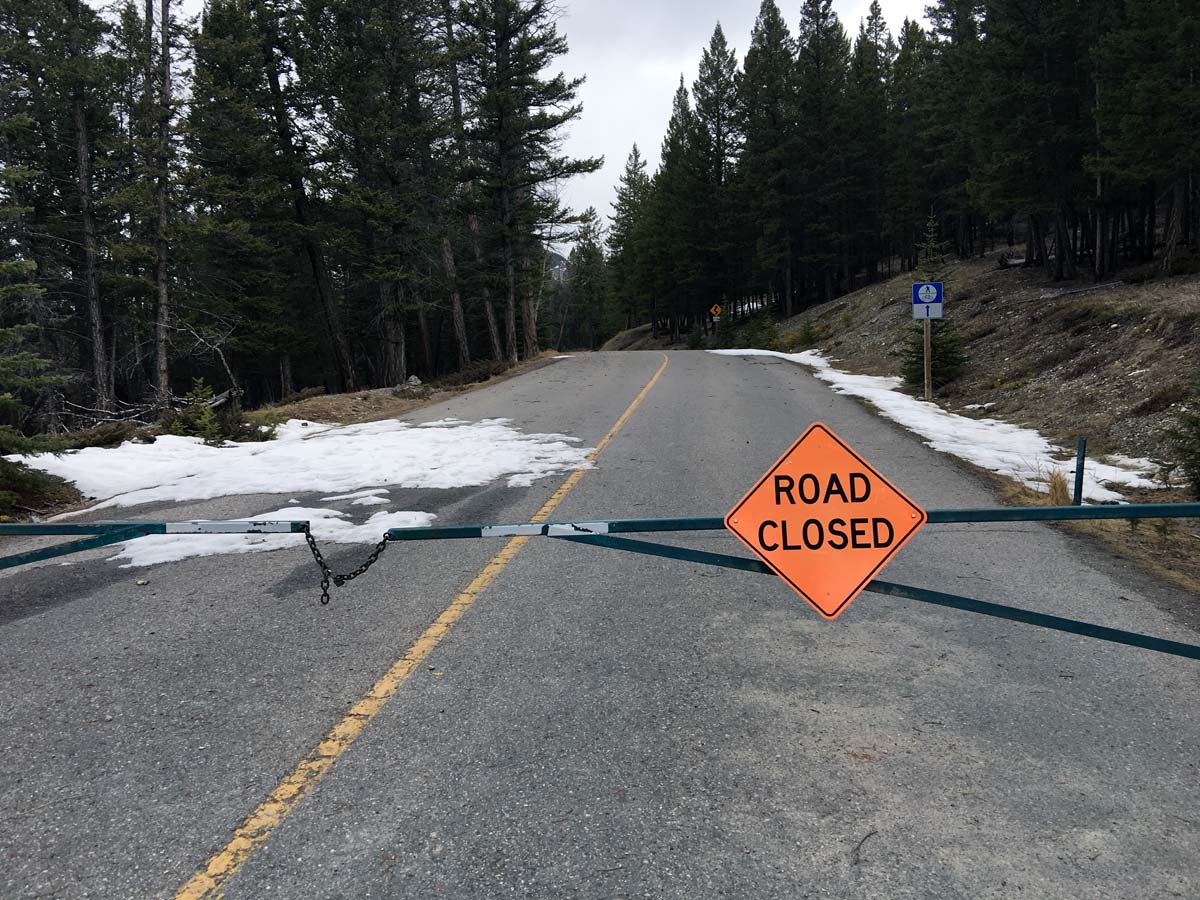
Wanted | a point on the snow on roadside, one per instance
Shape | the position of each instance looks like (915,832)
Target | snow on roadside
(370,501)
(327,525)
(1001,447)
(305,457)
(357,495)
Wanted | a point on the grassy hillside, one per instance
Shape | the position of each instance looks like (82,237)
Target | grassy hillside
(1112,362)
(1116,363)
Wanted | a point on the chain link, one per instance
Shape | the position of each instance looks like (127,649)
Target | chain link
(328,575)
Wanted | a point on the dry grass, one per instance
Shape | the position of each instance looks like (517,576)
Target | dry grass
(1168,548)
(1058,489)
(381,403)
(1066,358)
(1059,493)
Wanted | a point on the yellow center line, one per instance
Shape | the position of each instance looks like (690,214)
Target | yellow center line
(210,881)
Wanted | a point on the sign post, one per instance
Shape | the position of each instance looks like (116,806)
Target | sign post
(824,520)
(928,361)
(927,299)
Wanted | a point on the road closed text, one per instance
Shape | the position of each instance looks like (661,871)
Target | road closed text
(815,528)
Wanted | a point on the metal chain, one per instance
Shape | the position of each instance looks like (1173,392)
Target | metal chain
(328,575)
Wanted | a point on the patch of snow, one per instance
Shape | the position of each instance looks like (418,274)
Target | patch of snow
(1001,447)
(370,501)
(370,492)
(565,356)
(1138,372)
(1136,463)
(449,453)
(328,525)
(979,406)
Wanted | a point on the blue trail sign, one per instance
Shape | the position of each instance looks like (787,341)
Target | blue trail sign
(927,300)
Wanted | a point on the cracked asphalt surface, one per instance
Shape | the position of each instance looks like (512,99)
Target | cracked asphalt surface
(601,724)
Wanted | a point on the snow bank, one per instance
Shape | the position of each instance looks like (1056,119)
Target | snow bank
(1019,453)
(306,457)
(327,525)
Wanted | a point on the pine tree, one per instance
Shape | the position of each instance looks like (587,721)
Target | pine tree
(1035,126)
(626,248)
(1149,112)
(374,70)
(822,215)
(868,149)
(720,131)
(679,200)
(274,24)
(55,84)
(244,273)
(716,108)
(25,375)
(906,194)
(765,187)
(586,317)
(520,114)
(948,114)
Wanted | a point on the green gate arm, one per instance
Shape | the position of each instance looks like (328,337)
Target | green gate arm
(922,595)
(104,539)
(1042,620)
(105,533)
(704,557)
(715,523)
(1066,513)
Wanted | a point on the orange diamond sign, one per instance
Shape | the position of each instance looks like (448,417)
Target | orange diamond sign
(824,520)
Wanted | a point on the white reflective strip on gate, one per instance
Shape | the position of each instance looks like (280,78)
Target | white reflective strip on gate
(509,530)
(572,528)
(229,527)
(532,529)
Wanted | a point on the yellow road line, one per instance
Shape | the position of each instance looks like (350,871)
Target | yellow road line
(209,882)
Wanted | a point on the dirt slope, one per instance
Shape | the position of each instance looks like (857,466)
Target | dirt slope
(1110,362)
(1113,363)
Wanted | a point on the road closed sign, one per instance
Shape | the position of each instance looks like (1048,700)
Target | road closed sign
(824,520)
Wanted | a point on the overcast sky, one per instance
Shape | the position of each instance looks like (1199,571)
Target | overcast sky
(633,52)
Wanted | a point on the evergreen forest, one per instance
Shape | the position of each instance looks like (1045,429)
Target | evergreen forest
(339,194)
(1066,130)
(284,194)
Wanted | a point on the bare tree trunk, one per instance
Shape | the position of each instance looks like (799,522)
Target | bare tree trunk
(562,325)
(460,140)
(164,129)
(426,343)
(287,387)
(529,314)
(510,306)
(395,358)
(1065,260)
(1151,222)
(489,308)
(1098,250)
(1174,226)
(456,307)
(312,247)
(787,285)
(102,370)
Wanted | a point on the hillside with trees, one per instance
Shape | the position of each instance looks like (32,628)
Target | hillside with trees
(281,195)
(810,166)
(295,196)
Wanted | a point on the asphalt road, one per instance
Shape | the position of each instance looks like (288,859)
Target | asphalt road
(600,724)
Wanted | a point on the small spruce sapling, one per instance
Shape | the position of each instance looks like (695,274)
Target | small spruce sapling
(948,359)
(1186,438)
